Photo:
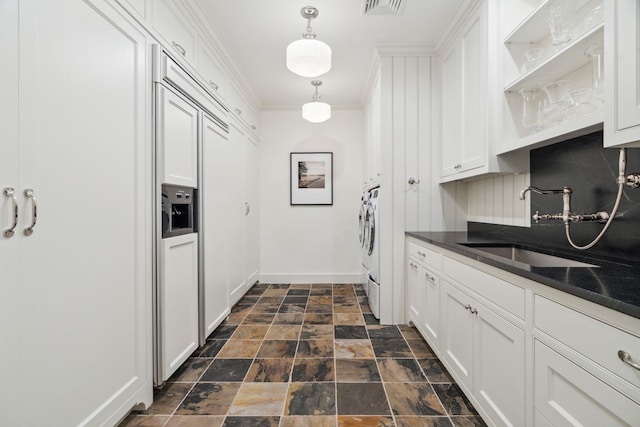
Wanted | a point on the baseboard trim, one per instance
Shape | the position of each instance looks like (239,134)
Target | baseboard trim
(313,278)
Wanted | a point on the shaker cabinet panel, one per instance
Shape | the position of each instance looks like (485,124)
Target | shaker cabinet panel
(177,134)
(179,34)
(622,68)
(79,280)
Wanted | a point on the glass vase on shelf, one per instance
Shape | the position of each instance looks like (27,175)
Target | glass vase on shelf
(559,99)
(532,105)
(596,53)
(533,56)
(560,15)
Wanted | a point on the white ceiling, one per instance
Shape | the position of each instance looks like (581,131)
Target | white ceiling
(256,33)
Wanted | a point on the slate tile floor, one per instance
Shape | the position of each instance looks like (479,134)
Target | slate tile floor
(309,356)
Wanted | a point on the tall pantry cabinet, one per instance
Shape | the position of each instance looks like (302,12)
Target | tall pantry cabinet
(74,314)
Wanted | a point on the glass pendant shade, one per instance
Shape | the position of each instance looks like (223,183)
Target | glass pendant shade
(308,57)
(316,111)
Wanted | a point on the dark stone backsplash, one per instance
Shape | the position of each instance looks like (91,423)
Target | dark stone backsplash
(591,172)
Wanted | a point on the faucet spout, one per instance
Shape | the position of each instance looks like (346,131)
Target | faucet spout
(540,191)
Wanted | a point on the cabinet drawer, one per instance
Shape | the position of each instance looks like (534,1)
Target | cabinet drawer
(499,292)
(425,255)
(590,337)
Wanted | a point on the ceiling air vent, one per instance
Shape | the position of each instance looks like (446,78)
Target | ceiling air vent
(388,7)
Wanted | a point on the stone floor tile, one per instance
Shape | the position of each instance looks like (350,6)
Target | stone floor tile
(361,399)
(195,421)
(209,399)
(136,420)
(315,348)
(413,399)
(250,332)
(400,370)
(239,349)
(307,421)
(357,371)
(223,370)
(358,349)
(259,399)
(391,348)
(467,421)
(270,370)
(283,332)
(310,332)
(435,371)
(288,319)
(348,319)
(423,421)
(351,332)
(453,400)
(365,421)
(313,370)
(311,399)
(167,398)
(251,421)
(191,370)
(384,332)
(277,349)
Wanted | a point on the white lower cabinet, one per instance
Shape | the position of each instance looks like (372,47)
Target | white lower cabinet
(485,353)
(523,353)
(178,301)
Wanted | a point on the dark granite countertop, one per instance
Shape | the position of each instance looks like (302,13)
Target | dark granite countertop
(611,284)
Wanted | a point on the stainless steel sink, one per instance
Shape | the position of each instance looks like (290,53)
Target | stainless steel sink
(528,257)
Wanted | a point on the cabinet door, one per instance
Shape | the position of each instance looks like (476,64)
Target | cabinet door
(177,134)
(212,71)
(252,219)
(473,108)
(622,59)
(214,199)
(567,395)
(451,69)
(431,306)
(237,211)
(179,34)
(414,293)
(84,285)
(457,333)
(499,368)
(178,302)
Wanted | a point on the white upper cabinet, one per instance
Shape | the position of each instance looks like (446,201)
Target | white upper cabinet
(212,71)
(174,27)
(463,99)
(622,115)
(533,117)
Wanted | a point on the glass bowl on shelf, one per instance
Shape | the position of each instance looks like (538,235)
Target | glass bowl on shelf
(532,57)
(559,99)
(582,104)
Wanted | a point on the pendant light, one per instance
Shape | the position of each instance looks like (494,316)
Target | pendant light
(309,57)
(316,111)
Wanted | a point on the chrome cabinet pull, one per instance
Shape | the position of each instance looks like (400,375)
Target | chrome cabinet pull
(10,192)
(467,307)
(238,111)
(179,48)
(212,83)
(413,266)
(247,208)
(473,311)
(422,254)
(253,127)
(431,278)
(28,193)
(412,181)
(626,358)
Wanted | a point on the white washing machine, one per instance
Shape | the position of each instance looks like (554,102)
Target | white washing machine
(372,243)
(363,230)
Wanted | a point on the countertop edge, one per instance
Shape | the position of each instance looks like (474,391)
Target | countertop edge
(450,243)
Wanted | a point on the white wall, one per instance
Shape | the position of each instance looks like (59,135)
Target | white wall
(495,200)
(310,244)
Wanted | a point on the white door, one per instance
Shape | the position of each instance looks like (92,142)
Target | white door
(177,136)
(458,333)
(178,301)
(237,211)
(431,306)
(499,368)
(414,293)
(214,197)
(252,219)
(81,287)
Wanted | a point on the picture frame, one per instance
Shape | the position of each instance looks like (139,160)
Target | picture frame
(311,178)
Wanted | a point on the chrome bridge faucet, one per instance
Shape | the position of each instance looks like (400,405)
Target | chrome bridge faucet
(566,216)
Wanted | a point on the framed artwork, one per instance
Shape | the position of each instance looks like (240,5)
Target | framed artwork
(311,178)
